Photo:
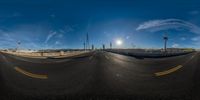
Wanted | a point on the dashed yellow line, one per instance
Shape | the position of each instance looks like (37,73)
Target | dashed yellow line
(168,71)
(30,74)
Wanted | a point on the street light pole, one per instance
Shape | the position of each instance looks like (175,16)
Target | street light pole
(165,37)
(103,45)
(110,45)
(84,46)
(87,42)
(18,44)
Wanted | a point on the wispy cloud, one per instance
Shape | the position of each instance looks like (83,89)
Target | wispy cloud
(52,15)
(6,39)
(68,28)
(183,38)
(17,14)
(56,37)
(60,35)
(57,43)
(50,35)
(195,39)
(194,12)
(163,24)
(175,45)
(127,37)
(9,40)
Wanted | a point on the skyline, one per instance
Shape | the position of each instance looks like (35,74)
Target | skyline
(64,24)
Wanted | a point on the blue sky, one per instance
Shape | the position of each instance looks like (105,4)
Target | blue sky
(43,24)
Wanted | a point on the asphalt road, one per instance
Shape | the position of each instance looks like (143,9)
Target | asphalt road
(100,74)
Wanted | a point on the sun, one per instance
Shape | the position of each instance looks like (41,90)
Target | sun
(119,42)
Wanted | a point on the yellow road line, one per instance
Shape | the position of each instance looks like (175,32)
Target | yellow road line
(168,71)
(30,74)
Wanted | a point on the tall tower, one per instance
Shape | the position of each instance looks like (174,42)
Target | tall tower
(87,42)
(165,37)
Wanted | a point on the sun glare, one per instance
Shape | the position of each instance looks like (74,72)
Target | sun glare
(119,42)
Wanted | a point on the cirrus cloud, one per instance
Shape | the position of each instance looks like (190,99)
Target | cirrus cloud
(163,24)
(50,35)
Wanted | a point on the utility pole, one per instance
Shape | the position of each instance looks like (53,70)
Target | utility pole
(110,45)
(165,37)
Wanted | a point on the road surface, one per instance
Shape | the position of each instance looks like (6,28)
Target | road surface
(100,74)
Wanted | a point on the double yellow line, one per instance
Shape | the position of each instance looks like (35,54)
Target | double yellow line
(30,74)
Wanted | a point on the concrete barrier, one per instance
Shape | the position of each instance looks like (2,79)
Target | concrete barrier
(46,54)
